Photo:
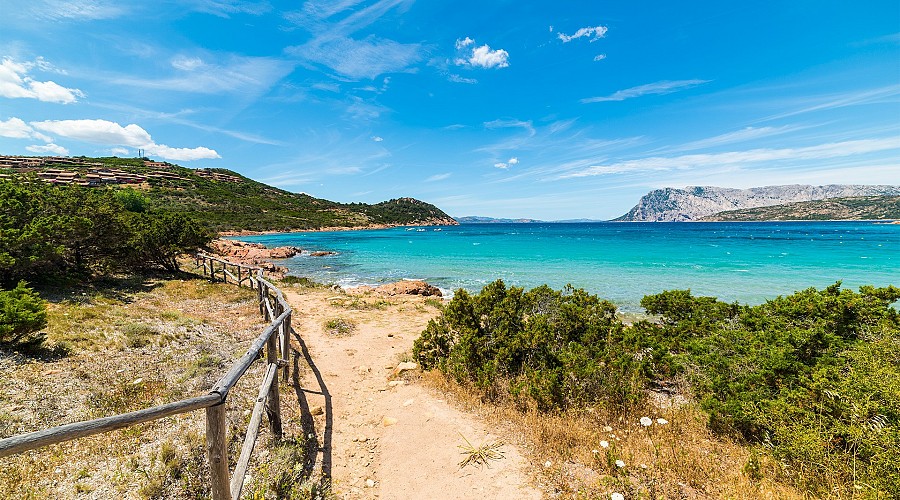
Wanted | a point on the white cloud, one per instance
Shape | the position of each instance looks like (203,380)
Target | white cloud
(595,33)
(112,134)
(48,148)
(438,177)
(460,79)
(465,42)
(599,57)
(739,158)
(661,87)
(481,57)
(15,128)
(508,163)
(377,138)
(495,124)
(16,84)
(119,151)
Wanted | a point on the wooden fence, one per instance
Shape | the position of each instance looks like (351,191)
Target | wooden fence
(275,338)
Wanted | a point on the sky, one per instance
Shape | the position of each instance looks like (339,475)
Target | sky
(541,109)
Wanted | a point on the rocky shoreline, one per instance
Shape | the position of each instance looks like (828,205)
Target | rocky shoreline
(257,254)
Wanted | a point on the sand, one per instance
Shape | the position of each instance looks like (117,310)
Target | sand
(382,434)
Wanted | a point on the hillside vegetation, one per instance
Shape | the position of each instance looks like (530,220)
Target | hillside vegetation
(856,208)
(224,200)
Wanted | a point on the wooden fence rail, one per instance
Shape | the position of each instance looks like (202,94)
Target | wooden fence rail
(275,338)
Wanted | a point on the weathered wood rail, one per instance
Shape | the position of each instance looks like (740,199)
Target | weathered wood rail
(275,338)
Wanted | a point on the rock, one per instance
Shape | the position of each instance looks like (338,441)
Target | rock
(388,421)
(409,287)
(321,253)
(250,253)
(316,410)
(395,383)
(370,483)
(406,366)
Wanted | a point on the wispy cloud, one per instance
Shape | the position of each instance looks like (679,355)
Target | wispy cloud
(438,177)
(15,83)
(888,93)
(593,33)
(657,88)
(358,59)
(599,57)
(236,74)
(226,8)
(72,10)
(333,45)
(377,138)
(739,158)
(745,134)
(110,133)
(499,123)
(459,79)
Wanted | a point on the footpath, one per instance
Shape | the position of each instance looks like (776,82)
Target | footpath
(381,434)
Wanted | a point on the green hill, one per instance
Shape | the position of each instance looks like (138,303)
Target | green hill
(855,208)
(225,200)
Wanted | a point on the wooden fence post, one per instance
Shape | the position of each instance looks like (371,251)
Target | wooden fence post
(217,452)
(261,294)
(273,402)
(286,346)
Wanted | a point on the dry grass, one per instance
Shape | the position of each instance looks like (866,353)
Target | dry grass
(575,453)
(480,455)
(130,349)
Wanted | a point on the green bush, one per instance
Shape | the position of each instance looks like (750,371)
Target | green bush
(814,377)
(556,349)
(22,315)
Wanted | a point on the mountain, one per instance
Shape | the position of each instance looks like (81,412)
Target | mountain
(696,202)
(858,208)
(475,219)
(225,200)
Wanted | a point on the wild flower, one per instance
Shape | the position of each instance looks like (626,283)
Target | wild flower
(620,463)
(607,429)
(662,421)
(617,496)
(646,421)
(604,444)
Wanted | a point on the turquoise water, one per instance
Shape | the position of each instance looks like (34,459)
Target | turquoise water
(622,262)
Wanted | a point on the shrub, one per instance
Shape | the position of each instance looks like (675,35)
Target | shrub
(555,349)
(22,315)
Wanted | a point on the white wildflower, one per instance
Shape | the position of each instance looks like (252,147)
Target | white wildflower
(604,444)
(646,421)
(662,421)
(620,463)
(607,429)
(617,496)
(548,464)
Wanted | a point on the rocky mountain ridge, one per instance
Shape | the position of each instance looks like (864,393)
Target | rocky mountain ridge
(696,202)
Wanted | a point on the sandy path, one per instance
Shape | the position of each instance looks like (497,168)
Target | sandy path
(389,441)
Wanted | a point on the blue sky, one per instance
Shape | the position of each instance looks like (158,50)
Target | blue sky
(549,110)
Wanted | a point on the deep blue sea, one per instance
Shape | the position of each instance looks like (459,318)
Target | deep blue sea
(622,262)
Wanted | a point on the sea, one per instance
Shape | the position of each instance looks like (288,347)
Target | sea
(621,262)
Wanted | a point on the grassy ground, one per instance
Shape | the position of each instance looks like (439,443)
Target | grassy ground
(124,345)
(593,454)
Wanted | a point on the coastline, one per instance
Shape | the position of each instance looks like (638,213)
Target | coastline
(243,232)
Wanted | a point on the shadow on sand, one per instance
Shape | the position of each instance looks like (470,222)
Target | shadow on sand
(306,418)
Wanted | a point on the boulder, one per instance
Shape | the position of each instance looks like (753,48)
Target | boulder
(409,287)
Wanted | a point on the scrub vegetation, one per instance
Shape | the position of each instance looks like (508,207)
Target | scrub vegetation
(810,382)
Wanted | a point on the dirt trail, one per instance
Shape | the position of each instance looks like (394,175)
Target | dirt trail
(383,440)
